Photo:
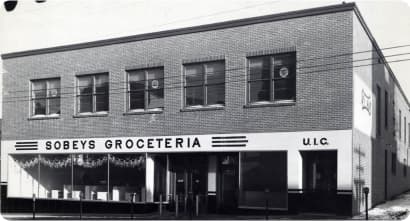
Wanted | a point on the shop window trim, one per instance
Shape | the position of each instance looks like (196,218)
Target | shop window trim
(47,98)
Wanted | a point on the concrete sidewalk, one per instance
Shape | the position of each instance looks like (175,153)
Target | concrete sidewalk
(397,208)
(167,216)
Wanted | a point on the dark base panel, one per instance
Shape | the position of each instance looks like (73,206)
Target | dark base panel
(340,204)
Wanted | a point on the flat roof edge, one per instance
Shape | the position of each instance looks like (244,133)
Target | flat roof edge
(380,53)
(188,30)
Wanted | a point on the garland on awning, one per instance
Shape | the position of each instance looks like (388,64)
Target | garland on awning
(28,163)
(78,160)
(128,162)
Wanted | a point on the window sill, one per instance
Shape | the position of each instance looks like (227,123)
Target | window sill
(142,112)
(90,115)
(271,104)
(202,108)
(44,117)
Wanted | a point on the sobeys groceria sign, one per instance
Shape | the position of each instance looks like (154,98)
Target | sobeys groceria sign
(188,143)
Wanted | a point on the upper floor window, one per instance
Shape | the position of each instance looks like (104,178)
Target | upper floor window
(272,78)
(45,97)
(378,110)
(92,93)
(386,107)
(145,89)
(399,124)
(393,163)
(205,83)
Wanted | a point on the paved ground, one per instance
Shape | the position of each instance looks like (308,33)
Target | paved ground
(397,208)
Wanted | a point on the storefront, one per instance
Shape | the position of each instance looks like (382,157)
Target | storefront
(223,172)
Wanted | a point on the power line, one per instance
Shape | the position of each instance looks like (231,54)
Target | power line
(240,80)
(239,68)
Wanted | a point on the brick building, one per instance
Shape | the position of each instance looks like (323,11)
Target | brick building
(298,111)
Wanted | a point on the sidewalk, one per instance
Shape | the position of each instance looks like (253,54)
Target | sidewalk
(397,208)
(167,216)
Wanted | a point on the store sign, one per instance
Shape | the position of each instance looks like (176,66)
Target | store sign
(190,143)
(366,102)
(314,141)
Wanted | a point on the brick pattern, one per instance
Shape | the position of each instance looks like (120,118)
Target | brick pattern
(323,96)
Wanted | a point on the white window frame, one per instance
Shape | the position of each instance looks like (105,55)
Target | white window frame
(204,85)
(93,95)
(146,89)
(47,98)
(271,80)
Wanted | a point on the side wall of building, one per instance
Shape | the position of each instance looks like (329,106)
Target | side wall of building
(376,135)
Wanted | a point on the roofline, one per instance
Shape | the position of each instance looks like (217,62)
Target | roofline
(188,30)
(380,53)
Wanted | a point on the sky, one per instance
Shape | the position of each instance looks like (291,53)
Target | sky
(34,25)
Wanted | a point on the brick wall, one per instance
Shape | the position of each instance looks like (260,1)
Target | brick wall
(323,98)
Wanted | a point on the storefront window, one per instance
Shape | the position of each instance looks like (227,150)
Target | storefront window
(263,178)
(127,177)
(55,176)
(160,177)
(90,176)
(24,175)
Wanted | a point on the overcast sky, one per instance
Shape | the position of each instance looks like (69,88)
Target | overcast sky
(58,22)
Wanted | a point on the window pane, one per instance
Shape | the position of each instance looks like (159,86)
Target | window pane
(194,75)
(85,85)
(194,96)
(136,87)
(101,84)
(215,72)
(54,105)
(101,90)
(155,88)
(136,100)
(85,103)
(259,68)
(55,176)
(90,176)
(284,77)
(160,177)
(156,98)
(101,102)
(39,89)
(23,175)
(39,106)
(263,177)
(259,91)
(127,177)
(53,89)
(216,94)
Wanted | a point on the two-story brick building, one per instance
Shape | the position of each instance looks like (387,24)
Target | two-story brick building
(295,111)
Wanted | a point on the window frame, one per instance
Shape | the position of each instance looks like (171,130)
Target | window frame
(393,163)
(47,98)
(93,94)
(378,110)
(386,110)
(146,90)
(271,79)
(204,84)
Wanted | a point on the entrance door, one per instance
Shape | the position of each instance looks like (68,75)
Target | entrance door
(228,182)
(320,180)
(190,179)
